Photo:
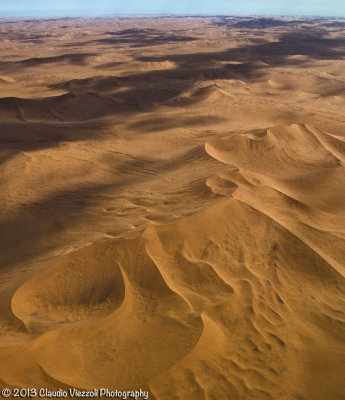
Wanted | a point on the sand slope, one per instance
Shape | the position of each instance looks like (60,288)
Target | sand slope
(248,292)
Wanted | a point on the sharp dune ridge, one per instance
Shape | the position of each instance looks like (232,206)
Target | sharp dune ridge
(172,206)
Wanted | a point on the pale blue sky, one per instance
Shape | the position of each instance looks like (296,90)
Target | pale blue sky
(13,8)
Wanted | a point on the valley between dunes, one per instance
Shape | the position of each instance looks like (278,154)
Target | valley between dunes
(173,206)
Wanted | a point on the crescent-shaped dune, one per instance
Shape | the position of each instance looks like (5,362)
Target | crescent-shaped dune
(245,292)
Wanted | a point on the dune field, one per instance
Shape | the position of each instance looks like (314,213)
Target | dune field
(172,211)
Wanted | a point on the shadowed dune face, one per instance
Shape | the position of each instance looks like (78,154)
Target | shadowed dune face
(172,206)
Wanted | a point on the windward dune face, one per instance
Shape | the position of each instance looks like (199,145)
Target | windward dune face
(173,206)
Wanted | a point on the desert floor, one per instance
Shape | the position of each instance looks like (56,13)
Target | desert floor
(172,210)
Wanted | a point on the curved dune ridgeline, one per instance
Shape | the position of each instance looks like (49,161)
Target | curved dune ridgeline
(244,292)
(173,207)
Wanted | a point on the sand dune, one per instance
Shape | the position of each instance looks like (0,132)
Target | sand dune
(247,292)
(172,207)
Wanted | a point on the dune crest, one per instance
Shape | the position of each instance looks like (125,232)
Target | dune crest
(230,304)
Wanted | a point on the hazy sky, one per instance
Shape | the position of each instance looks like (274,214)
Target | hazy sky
(9,8)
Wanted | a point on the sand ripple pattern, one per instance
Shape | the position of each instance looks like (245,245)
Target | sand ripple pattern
(244,300)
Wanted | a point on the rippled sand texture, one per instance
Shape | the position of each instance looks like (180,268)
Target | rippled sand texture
(173,206)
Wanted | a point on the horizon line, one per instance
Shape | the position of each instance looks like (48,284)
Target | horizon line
(148,15)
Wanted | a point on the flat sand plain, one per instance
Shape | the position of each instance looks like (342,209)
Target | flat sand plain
(172,210)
